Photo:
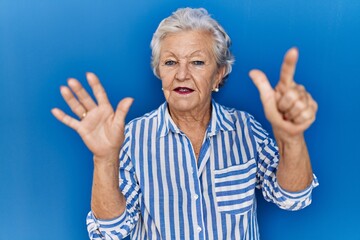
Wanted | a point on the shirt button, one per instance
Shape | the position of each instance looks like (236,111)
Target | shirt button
(199,229)
(196,196)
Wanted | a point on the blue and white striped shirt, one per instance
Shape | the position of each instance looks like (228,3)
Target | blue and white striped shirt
(172,195)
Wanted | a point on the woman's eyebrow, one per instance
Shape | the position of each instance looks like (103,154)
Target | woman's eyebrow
(168,53)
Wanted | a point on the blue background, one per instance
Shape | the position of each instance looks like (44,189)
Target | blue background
(45,169)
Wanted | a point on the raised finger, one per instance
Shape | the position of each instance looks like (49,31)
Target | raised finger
(122,110)
(65,119)
(97,88)
(81,94)
(71,100)
(288,69)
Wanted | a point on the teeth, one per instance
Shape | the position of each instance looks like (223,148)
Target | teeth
(183,89)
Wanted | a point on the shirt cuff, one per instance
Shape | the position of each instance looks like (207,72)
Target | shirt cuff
(109,223)
(99,228)
(300,195)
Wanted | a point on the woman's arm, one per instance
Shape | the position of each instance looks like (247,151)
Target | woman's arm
(102,130)
(294,172)
(107,202)
(291,110)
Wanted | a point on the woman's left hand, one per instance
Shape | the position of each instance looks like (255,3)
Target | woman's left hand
(289,107)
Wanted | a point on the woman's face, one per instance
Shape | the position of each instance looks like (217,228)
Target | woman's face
(188,70)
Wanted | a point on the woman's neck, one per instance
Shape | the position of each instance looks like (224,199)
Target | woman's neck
(191,120)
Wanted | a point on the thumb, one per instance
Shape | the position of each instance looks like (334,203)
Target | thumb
(267,93)
(262,84)
(122,109)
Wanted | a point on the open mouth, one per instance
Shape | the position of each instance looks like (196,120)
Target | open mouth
(183,90)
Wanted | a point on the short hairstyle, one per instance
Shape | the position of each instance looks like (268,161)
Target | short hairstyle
(186,19)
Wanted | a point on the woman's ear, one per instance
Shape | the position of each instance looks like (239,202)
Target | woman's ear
(220,75)
(158,72)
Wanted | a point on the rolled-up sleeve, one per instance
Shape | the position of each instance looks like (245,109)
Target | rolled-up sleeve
(268,160)
(121,226)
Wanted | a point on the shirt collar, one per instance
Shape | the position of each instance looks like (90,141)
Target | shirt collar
(221,120)
(165,123)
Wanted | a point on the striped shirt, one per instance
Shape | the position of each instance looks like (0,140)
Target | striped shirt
(172,195)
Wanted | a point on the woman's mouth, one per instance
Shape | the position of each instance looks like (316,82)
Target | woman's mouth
(183,90)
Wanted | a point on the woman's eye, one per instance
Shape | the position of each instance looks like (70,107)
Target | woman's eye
(170,63)
(198,62)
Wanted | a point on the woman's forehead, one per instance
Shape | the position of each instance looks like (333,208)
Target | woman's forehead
(187,43)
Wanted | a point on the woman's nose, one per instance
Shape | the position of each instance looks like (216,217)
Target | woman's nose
(182,72)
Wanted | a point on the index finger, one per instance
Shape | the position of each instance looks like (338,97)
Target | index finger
(288,68)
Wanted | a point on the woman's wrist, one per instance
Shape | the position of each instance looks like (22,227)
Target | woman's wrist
(109,160)
(288,139)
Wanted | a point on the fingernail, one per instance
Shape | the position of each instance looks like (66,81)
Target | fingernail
(252,71)
(296,49)
(69,80)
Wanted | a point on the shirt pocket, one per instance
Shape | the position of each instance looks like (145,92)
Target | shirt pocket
(235,187)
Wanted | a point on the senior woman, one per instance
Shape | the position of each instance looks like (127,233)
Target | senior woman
(189,169)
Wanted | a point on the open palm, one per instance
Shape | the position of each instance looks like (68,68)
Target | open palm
(100,127)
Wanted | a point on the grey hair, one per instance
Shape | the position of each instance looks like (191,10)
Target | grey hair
(185,19)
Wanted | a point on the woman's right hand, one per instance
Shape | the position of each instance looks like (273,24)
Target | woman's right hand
(101,129)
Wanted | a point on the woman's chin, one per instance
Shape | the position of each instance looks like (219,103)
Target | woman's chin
(185,107)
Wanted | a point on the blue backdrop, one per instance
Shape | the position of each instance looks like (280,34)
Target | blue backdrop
(45,169)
